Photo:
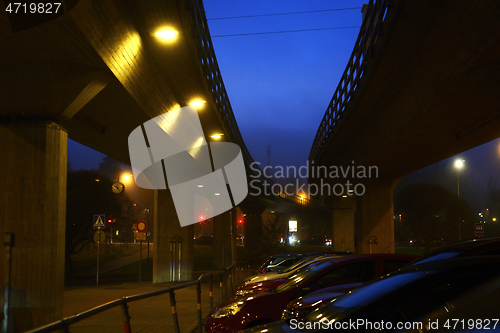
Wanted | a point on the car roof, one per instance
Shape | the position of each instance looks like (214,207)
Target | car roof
(306,254)
(463,249)
(471,243)
(451,263)
(388,256)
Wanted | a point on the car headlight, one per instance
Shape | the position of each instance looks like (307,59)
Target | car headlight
(228,310)
(243,292)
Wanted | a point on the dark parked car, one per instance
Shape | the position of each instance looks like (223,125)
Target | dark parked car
(301,306)
(284,273)
(316,240)
(397,299)
(478,308)
(271,280)
(468,248)
(266,306)
(279,262)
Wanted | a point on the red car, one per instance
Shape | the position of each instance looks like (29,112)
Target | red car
(258,286)
(266,306)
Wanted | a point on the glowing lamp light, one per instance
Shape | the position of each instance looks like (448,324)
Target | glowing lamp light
(459,164)
(197,103)
(167,34)
(216,136)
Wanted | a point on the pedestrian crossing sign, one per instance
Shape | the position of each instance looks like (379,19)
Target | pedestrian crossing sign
(99,221)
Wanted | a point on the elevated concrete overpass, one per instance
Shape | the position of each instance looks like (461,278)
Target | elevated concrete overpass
(93,74)
(422,85)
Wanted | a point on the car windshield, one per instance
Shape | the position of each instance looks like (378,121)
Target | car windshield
(360,297)
(311,270)
(298,264)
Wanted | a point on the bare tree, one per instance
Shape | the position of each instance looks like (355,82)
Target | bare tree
(430,215)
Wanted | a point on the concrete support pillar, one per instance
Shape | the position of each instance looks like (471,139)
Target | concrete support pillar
(343,228)
(252,226)
(33,207)
(173,249)
(224,239)
(375,209)
(284,218)
(253,231)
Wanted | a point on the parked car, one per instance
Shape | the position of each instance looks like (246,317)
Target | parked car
(283,274)
(301,306)
(396,299)
(266,306)
(473,247)
(281,261)
(204,240)
(316,240)
(475,311)
(305,304)
(272,280)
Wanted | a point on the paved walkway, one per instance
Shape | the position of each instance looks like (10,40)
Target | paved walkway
(147,315)
(111,264)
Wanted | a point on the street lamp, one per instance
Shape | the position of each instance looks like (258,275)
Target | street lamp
(459,164)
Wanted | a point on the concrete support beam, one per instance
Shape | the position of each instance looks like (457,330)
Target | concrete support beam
(99,82)
(224,240)
(33,208)
(375,209)
(173,248)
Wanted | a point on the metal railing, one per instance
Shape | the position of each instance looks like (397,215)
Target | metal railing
(371,28)
(211,72)
(230,278)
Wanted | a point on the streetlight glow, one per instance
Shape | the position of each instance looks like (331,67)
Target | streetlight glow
(459,164)
(167,34)
(197,103)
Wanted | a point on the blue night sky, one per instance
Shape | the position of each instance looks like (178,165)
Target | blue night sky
(280,84)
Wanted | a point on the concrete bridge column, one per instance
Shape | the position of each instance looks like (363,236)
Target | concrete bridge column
(252,227)
(342,216)
(375,209)
(284,218)
(33,207)
(173,249)
(343,225)
(224,239)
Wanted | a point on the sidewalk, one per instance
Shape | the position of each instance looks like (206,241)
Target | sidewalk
(147,315)
(111,264)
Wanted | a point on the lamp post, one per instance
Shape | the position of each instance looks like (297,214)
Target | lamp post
(459,164)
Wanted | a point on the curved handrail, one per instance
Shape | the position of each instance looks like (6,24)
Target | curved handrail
(64,323)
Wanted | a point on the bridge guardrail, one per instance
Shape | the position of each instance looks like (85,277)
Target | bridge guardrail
(371,29)
(213,76)
(229,278)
